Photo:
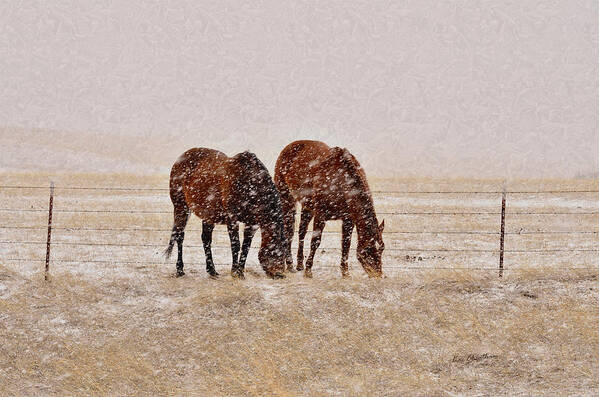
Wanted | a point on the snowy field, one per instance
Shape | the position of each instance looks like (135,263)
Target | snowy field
(113,319)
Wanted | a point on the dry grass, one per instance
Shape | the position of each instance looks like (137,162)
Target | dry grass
(98,329)
(432,334)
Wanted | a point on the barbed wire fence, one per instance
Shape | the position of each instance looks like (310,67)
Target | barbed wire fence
(500,232)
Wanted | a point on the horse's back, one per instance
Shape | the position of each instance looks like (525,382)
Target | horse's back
(196,176)
(320,176)
(296,163)
(193,159)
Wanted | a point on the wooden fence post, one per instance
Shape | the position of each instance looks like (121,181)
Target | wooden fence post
(49,230)
(502,236)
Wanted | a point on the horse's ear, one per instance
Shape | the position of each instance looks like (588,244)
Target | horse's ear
(382,227)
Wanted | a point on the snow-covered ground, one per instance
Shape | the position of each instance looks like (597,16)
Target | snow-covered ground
(414,237)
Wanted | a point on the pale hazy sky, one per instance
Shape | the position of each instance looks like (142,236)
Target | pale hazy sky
(477,88)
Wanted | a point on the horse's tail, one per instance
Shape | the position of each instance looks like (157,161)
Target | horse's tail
(171,243)
(181,169)
(181,214)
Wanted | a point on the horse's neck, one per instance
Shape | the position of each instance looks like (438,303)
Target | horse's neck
(364,217)
(362,206)
(266,236)
(268,232)
(270,224)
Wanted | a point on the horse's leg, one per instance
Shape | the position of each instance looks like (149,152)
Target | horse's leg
(179,238)
(233,229)
(181,214)
(248,234)
(348,227)
(305,219)
(207,229)
(317,229)
(288,207)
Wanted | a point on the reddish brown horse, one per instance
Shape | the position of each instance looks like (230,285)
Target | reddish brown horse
(330,184)
(224,190)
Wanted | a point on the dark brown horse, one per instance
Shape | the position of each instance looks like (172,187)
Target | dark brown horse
(330,184)
(224,190)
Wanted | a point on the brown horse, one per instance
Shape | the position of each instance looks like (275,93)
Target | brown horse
(330,184)
(224,190)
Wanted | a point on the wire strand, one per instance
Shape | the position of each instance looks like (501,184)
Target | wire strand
(145,188)
(223,232)
(171,212)
(392,249)
(316,268)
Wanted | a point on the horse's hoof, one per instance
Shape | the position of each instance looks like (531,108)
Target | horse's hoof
(375,275)
(238,275)
(290,269)
(276,275)
(180,273)
(308,273)
(345,275)
(213,274)
(299,267)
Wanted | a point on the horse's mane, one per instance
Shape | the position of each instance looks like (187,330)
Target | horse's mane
(360,191)
(255,170)
(355,169)
(352,167)
(256,175)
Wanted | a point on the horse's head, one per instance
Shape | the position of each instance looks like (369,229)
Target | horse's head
(370,251)
(272,253)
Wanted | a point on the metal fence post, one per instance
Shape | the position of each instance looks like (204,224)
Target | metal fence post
(502,236)
(49,230)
